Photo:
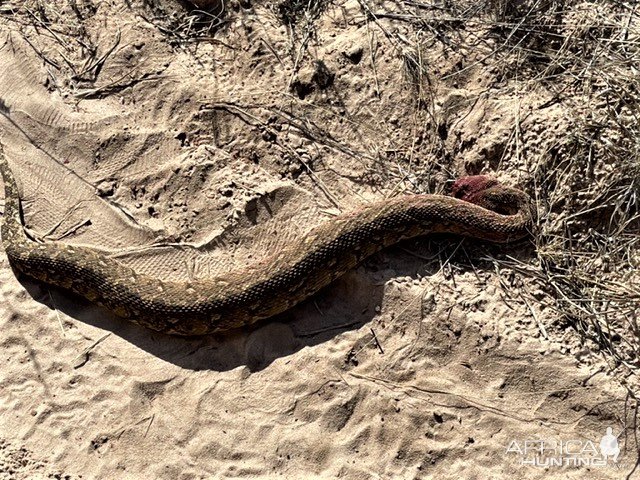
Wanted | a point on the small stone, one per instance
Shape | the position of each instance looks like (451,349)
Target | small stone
(354,54)
(302,84)
(309,77)
(538,294)
(106,188)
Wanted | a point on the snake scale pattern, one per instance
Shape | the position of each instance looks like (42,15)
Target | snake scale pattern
(483,210)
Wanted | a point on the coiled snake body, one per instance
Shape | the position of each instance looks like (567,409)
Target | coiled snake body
(287,277)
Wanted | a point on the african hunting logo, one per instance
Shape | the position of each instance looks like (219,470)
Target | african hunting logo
(567,453)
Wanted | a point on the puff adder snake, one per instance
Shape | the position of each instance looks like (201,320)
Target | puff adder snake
(481,209)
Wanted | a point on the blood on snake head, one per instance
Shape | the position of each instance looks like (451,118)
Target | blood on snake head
(488,193)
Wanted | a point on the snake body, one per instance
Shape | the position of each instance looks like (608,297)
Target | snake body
(274,285)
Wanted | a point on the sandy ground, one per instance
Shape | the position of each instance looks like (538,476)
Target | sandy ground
(434,359)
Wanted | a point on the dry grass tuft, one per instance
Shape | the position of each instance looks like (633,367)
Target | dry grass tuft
(589,184)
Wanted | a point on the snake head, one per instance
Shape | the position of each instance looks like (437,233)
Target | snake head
(471,188)
(488,193)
